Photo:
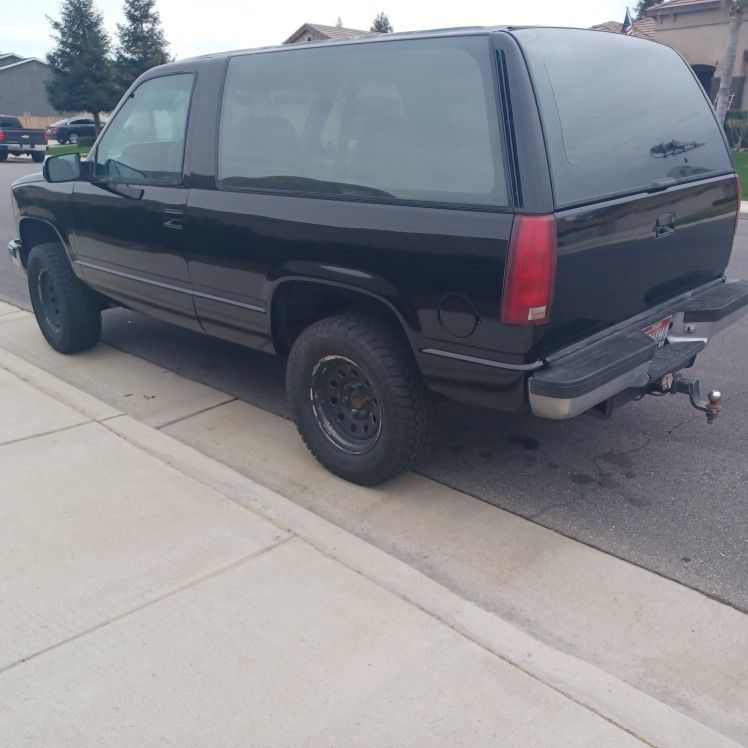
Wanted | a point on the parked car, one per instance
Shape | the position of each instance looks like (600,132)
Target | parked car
(512,218)
(70,129)
(17,140)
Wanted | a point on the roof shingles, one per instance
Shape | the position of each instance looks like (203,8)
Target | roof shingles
(644,29)
(333,33)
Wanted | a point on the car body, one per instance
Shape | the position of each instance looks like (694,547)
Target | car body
(17,140)
(511,217)
(70,129)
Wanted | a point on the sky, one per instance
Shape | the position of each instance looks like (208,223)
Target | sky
(200,26)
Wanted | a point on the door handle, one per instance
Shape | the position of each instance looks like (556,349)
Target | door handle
(665,225)
(173,219)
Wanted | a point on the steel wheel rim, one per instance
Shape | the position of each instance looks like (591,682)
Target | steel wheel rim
(50,301)
(346,404)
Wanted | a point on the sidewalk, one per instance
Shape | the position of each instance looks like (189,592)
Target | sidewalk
(151,593)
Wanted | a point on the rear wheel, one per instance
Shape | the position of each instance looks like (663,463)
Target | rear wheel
(3,155)
(73,138)
(37,157)
(357,397)
(66,310)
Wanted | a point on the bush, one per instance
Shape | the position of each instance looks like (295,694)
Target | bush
(736,124)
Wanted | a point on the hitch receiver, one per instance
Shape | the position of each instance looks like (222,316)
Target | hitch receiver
(692,388)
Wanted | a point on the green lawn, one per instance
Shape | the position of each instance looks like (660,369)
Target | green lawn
(741,164)
(57,150)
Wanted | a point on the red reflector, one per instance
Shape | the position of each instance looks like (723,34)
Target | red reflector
(2,135)
(530,271)
(46,138)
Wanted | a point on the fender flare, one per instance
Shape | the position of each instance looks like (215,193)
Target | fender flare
(385,294)
(26,219)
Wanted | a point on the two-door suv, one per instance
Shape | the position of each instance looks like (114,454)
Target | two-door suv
(508,217)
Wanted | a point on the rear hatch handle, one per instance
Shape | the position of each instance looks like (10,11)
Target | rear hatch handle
(665,225)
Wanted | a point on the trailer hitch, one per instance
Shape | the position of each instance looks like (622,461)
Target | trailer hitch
(692,388)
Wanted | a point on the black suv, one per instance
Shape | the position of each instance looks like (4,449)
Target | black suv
(513,217)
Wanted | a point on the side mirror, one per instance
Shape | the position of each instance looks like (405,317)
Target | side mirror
(63,168)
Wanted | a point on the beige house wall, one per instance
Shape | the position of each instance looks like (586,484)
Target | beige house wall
(701,37)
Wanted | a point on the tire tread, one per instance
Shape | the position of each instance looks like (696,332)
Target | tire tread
(397,368)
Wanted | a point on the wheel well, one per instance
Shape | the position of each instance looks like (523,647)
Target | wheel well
(35,232)
(298,304)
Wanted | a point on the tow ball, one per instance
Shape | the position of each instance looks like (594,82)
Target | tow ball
(676,384)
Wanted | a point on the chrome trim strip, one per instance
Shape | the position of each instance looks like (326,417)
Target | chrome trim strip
(483,361)
(170,287)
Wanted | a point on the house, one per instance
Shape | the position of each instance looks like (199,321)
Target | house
(22,90)
(698,30)
(316,32)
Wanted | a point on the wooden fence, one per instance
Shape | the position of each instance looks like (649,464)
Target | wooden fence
(42,122)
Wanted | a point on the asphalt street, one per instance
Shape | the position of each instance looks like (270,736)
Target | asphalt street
(653,485)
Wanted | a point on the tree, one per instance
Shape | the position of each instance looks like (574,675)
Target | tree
(339,23)
(382,24)
(641,8)
(81,77)
(142,44)
(736,9)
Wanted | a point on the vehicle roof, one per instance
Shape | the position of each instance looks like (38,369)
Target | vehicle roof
(375,39)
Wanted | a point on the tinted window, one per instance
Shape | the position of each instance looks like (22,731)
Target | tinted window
(145,141)
(413,120)
(620,114)
(10,122)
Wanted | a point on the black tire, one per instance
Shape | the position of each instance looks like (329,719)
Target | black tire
(377,369)
(38,158)
(3,155)
(67,311)
(61,139)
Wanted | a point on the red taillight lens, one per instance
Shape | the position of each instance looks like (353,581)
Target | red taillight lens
(46,138)
(739,189)
(530,271)
(2,135)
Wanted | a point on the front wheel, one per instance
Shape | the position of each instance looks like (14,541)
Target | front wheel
(67,311)
(357,397)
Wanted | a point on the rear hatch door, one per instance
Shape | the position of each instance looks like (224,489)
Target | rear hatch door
(643,182)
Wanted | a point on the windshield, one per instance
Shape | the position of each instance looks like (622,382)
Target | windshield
(620,114)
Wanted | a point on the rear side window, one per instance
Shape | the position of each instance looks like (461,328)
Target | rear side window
(620,114)
(413,120)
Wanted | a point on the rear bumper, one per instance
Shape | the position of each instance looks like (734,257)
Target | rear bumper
(17,148)
(594,371)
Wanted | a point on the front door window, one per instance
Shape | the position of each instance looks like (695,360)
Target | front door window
(145,141)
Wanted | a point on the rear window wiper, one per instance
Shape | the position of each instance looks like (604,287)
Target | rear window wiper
(673,148)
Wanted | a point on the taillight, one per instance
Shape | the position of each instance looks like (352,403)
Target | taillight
(2,135)
(739,190)
(46,138)
(530,271)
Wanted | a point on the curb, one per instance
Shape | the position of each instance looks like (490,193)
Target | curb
(637,713)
